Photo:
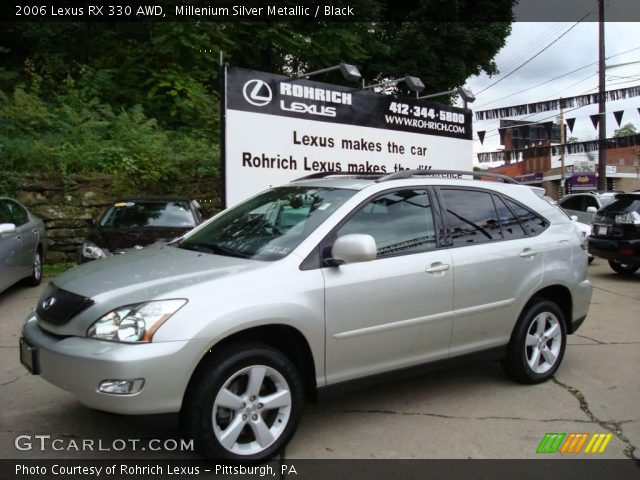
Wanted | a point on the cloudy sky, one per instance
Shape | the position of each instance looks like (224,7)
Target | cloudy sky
(577,48)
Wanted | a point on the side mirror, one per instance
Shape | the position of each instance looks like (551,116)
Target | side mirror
(90,222)
(592,209)
(6,228)
(354,248)
(574,218)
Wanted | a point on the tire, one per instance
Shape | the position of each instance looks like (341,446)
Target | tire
(539,336)
(36,274)
(623,268)
(222,396)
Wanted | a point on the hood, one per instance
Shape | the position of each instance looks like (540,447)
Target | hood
(149,273)
(116,239)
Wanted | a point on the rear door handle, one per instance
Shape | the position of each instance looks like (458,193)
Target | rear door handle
(438,267)
(528,252)
(18,238)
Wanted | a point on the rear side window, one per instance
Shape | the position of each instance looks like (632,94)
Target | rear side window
(532,223)
(472,216)
(511,227)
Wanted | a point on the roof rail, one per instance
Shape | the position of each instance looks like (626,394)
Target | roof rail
(402,174)
(345,174)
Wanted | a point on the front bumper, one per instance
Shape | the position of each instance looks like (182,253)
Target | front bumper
(627,251)
(79,365)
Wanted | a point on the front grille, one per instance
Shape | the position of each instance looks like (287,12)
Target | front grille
(61,306)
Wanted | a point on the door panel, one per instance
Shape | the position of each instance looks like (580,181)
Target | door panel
(386,314)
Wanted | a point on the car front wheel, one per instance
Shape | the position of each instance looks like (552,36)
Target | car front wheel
(622,268)
(537,343)
(36,275)
(245,403)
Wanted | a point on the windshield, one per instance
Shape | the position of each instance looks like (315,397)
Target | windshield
(148,214)
(269,226)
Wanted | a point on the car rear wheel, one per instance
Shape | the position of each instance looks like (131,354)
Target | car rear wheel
(537,343)
(623,268)
(36,274)
(244,404)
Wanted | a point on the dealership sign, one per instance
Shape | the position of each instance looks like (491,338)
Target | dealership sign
(278,128)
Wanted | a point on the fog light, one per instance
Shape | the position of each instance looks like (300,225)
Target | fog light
(121,387)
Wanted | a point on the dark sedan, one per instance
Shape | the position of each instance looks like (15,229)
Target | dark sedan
(134,224)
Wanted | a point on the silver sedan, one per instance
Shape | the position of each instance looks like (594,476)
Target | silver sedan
(23,244)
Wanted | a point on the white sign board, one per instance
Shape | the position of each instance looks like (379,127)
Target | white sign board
(278,129)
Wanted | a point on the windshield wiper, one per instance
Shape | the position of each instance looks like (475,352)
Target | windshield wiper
(213,249)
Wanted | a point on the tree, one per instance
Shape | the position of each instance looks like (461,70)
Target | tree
(143,99)
(625,130)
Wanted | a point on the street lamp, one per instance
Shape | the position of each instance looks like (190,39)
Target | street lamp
(466,95)
(413,83)
(349,72)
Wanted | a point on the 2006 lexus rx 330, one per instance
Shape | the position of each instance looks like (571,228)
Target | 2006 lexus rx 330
(306,288)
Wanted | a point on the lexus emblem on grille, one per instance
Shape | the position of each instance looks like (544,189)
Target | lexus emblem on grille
(48,303)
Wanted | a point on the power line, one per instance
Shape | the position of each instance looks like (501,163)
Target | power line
(537,54)
(520,55)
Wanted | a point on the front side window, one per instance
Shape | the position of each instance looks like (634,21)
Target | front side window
(400,222)
(18,214)
(270,225)
(472,216)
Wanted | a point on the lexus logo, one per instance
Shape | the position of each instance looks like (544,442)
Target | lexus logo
(48,303)
(257,92)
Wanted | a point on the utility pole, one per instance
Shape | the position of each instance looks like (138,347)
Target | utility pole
(602,123)
(562,142)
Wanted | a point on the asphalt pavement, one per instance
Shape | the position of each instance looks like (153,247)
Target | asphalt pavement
(472,411)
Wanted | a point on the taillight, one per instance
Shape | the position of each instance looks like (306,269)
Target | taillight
(631,218)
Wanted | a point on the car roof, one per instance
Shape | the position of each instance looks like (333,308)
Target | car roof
(411,177)
(153,199)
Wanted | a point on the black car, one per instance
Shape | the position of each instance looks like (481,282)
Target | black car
(133,224)
(615,233)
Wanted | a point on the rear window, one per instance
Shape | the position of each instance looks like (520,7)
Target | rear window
(624,203)
(148,214)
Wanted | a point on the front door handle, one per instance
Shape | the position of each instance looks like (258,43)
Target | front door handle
(528,252)
(438,267)
(18,238)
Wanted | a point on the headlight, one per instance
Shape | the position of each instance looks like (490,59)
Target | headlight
(91,250)
(134,323)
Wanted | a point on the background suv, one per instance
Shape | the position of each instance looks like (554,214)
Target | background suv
(316,286)
(584,205)
(616,233)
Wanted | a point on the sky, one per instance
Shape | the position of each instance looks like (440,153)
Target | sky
(575,49)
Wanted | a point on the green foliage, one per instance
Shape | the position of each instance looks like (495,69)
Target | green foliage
(142,101)
(625,130)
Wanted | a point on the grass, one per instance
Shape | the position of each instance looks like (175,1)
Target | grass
(53,269)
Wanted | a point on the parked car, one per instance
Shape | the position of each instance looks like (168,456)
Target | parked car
(23,244)
(133,224)
(616,233)
(583,228)
(327,283)
(584,205)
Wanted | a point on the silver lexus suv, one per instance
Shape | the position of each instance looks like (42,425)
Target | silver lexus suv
(317,286)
